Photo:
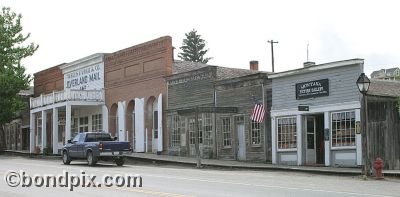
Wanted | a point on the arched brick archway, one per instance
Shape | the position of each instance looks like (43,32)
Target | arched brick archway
(151,116)
(130,121)
(113,119)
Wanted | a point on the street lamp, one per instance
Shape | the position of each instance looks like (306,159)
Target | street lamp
(363,85)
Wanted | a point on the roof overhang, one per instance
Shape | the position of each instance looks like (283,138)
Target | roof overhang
(317,67)
(83,62)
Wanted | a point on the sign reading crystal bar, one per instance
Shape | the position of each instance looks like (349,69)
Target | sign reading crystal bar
(312,89)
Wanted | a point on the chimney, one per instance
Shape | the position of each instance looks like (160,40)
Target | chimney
(308,64)
(254,65)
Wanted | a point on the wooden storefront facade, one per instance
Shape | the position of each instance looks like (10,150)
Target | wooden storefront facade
(225,131)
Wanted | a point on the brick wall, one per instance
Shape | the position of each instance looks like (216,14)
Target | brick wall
(49,80)
(138,72)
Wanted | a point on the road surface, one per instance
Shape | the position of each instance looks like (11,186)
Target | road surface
(170,180)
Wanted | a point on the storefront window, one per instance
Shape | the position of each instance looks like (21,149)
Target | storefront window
(287,133)
(176,131)
(97,122)
(74,127)
(255,133)
(207,129)
(343,129)
(192,130)
(61,127)
(200,129)
(227,133)
(83,124)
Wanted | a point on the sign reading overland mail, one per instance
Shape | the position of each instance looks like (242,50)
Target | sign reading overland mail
(87,78)
(312,89)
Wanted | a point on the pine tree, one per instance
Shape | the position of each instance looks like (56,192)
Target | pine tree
(193,48)
(12,74)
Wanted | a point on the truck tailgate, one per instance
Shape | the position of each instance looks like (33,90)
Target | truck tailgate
(112,146)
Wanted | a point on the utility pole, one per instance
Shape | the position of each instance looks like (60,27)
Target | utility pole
(272,42)
(197,142)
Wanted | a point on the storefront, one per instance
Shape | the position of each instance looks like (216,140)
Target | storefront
(79,107)
(315,115)
(224,99)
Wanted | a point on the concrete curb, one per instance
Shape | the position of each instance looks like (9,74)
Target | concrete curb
(206,164)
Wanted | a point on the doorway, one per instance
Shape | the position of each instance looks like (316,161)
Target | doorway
(25,138)
(314,139)
(242,142)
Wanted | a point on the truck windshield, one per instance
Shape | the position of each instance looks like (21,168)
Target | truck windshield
(97,137)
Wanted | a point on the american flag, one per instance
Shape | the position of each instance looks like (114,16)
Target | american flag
(258,113)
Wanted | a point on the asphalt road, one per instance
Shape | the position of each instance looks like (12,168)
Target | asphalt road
(169,180)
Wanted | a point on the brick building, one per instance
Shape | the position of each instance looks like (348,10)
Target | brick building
(69,98)
(121,93)
(135,93)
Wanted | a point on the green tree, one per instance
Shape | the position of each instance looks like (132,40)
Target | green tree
(12,73)
(193,48)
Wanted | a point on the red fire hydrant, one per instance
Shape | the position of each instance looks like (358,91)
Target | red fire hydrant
(378,166)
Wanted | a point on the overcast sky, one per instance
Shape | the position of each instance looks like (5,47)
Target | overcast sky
(236,31)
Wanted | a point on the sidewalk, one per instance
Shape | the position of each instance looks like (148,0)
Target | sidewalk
(224,163)
(244,165)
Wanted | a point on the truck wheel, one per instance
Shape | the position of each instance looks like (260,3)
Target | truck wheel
(66,158)
(120,161)
(91,159)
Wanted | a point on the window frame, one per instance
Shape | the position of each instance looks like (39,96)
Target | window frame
(176,131)
(277,134)
(97,122)
(85,126)
(192,130)
(207,124)
(331,131)
(259,133)
(228,133)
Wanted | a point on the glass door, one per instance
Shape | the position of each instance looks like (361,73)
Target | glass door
(310,140)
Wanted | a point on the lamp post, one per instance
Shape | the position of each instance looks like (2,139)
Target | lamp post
(363,85)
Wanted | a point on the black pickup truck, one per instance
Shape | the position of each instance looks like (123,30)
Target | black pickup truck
(94,146)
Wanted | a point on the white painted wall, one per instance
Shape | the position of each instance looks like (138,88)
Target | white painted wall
(327,121)
(55,130)
(139,125)
(68,111)
(299,129)
(121,120)
(160,123)
(273,140)
(105,118)
(358,139)
(44,130)
(32,133)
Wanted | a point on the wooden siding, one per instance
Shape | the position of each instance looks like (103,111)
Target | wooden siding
(342,87)
(192,93)
(384,131)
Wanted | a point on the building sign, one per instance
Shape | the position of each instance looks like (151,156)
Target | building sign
(312,89)
(87,78)
(195,77)
(304,108)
